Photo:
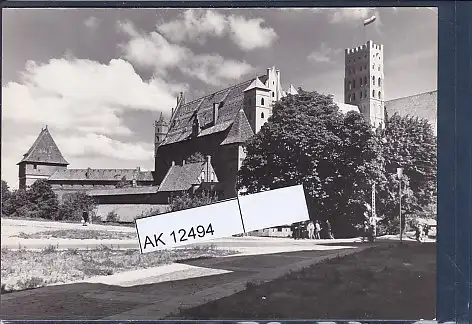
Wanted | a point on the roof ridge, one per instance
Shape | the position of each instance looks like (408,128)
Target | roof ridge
(414,95)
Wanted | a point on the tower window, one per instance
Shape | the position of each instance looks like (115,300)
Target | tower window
(365,93)
(273,94)
(158,130)
(262,113)
(379,94)
(378,68)
(373,66)
(350,85)
(373,80)
(35,166)
(373,93)
(379,82)
(365,80)
(353,96)
(360,95)
(262,101)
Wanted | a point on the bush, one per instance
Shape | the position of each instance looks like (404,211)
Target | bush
(187,201)
(112,217)
(72,206)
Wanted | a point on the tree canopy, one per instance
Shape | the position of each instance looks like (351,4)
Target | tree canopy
(308,141)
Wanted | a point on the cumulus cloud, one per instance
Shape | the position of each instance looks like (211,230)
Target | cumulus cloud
(249,34)
(198,25)
(194,25)
(152,50)
(323,55)
(350,15)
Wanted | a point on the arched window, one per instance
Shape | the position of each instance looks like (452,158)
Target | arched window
(373,66)
(373,80)
(262,101)
(158,130)
(365,93)
(379,94)
(273,94)
(262,113)
(365,80)
(373,93)
(379,82)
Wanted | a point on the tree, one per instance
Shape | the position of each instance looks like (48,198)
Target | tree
(123,183)
(408,142)
(5,191)
(309,141)
(195,157)
(186,201)
(73,204)
(43,199)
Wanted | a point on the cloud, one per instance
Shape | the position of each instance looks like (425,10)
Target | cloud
(152,50)
(323,55)
(198,25)
(350,15)
(92,23)
(249,34)
(194,25)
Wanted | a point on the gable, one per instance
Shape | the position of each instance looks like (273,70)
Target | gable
(240,130)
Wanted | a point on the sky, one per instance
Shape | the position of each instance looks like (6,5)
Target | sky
(100,77)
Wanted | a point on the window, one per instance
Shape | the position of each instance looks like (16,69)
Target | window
(273,94)
(373,93)
(353,96)
(262,114)
(378,68)
(360,81)
(379,82)
(373,80)
(273,82)
(373,66)
(158,130)
(349,98)
(350,85)
(365,93)
(360,95)
(35,166)
(379,94)
(365,80)
(262,101)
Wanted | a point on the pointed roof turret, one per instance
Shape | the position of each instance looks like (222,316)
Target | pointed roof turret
(161,120)
(257,84)
(44,150)
(291,90)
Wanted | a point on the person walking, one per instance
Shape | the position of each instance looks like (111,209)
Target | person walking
(365,231)
(85,217)
(317,230)
(328,230)
(311,230)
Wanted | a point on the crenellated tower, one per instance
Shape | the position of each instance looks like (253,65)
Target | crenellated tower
(161,128)
(364,81)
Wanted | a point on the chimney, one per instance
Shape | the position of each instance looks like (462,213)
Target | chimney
(173,163)
(183,162)
(215,112)
(208,159)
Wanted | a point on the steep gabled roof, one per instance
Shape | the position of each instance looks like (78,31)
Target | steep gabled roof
(44,150)
(257,84)
(240,130)
(231,101)
(423,105)
(183,177)
(101,175)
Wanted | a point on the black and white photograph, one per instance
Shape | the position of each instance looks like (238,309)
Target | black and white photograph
(211,163)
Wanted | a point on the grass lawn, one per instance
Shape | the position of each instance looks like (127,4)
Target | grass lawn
(80,234)
(385,282)
(23,269)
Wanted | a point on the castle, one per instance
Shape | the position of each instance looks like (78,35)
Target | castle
(216,125)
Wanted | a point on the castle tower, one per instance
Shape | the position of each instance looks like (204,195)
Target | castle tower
(161,127)
(257,104)
(364,81)
(41,161)
(273,83)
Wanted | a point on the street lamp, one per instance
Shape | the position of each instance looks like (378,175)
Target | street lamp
(399,175)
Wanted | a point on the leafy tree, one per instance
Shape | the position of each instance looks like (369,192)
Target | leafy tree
(43,199)
(186,201)
(195,157)
(123,183)
(407,142)
(309,141)
(73,204)
(18,204)
(5,191)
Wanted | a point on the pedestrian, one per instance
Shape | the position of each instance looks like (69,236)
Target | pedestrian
(365,231)
(317,230)
(418,231)
(426,231)
(311,230)
(85,217)
(328,230)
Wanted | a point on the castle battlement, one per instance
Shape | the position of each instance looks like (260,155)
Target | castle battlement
(370,44)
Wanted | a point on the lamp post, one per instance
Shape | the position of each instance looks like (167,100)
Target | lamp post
(399,175)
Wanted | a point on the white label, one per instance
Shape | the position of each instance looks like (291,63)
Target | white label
(195,225)
(272,208)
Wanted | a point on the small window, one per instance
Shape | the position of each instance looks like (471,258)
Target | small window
(158,130)
(262,101)
(373,80)
(353,97)
(35,166)
(262,113)
(378,68)
(379,94)
(350,85)
(273,94)
(379,83)
(360,95)
(273,82)
(373,66)
(373,93)
(365,80)
(365,93)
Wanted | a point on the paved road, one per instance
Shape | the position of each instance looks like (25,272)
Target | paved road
(143,300)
